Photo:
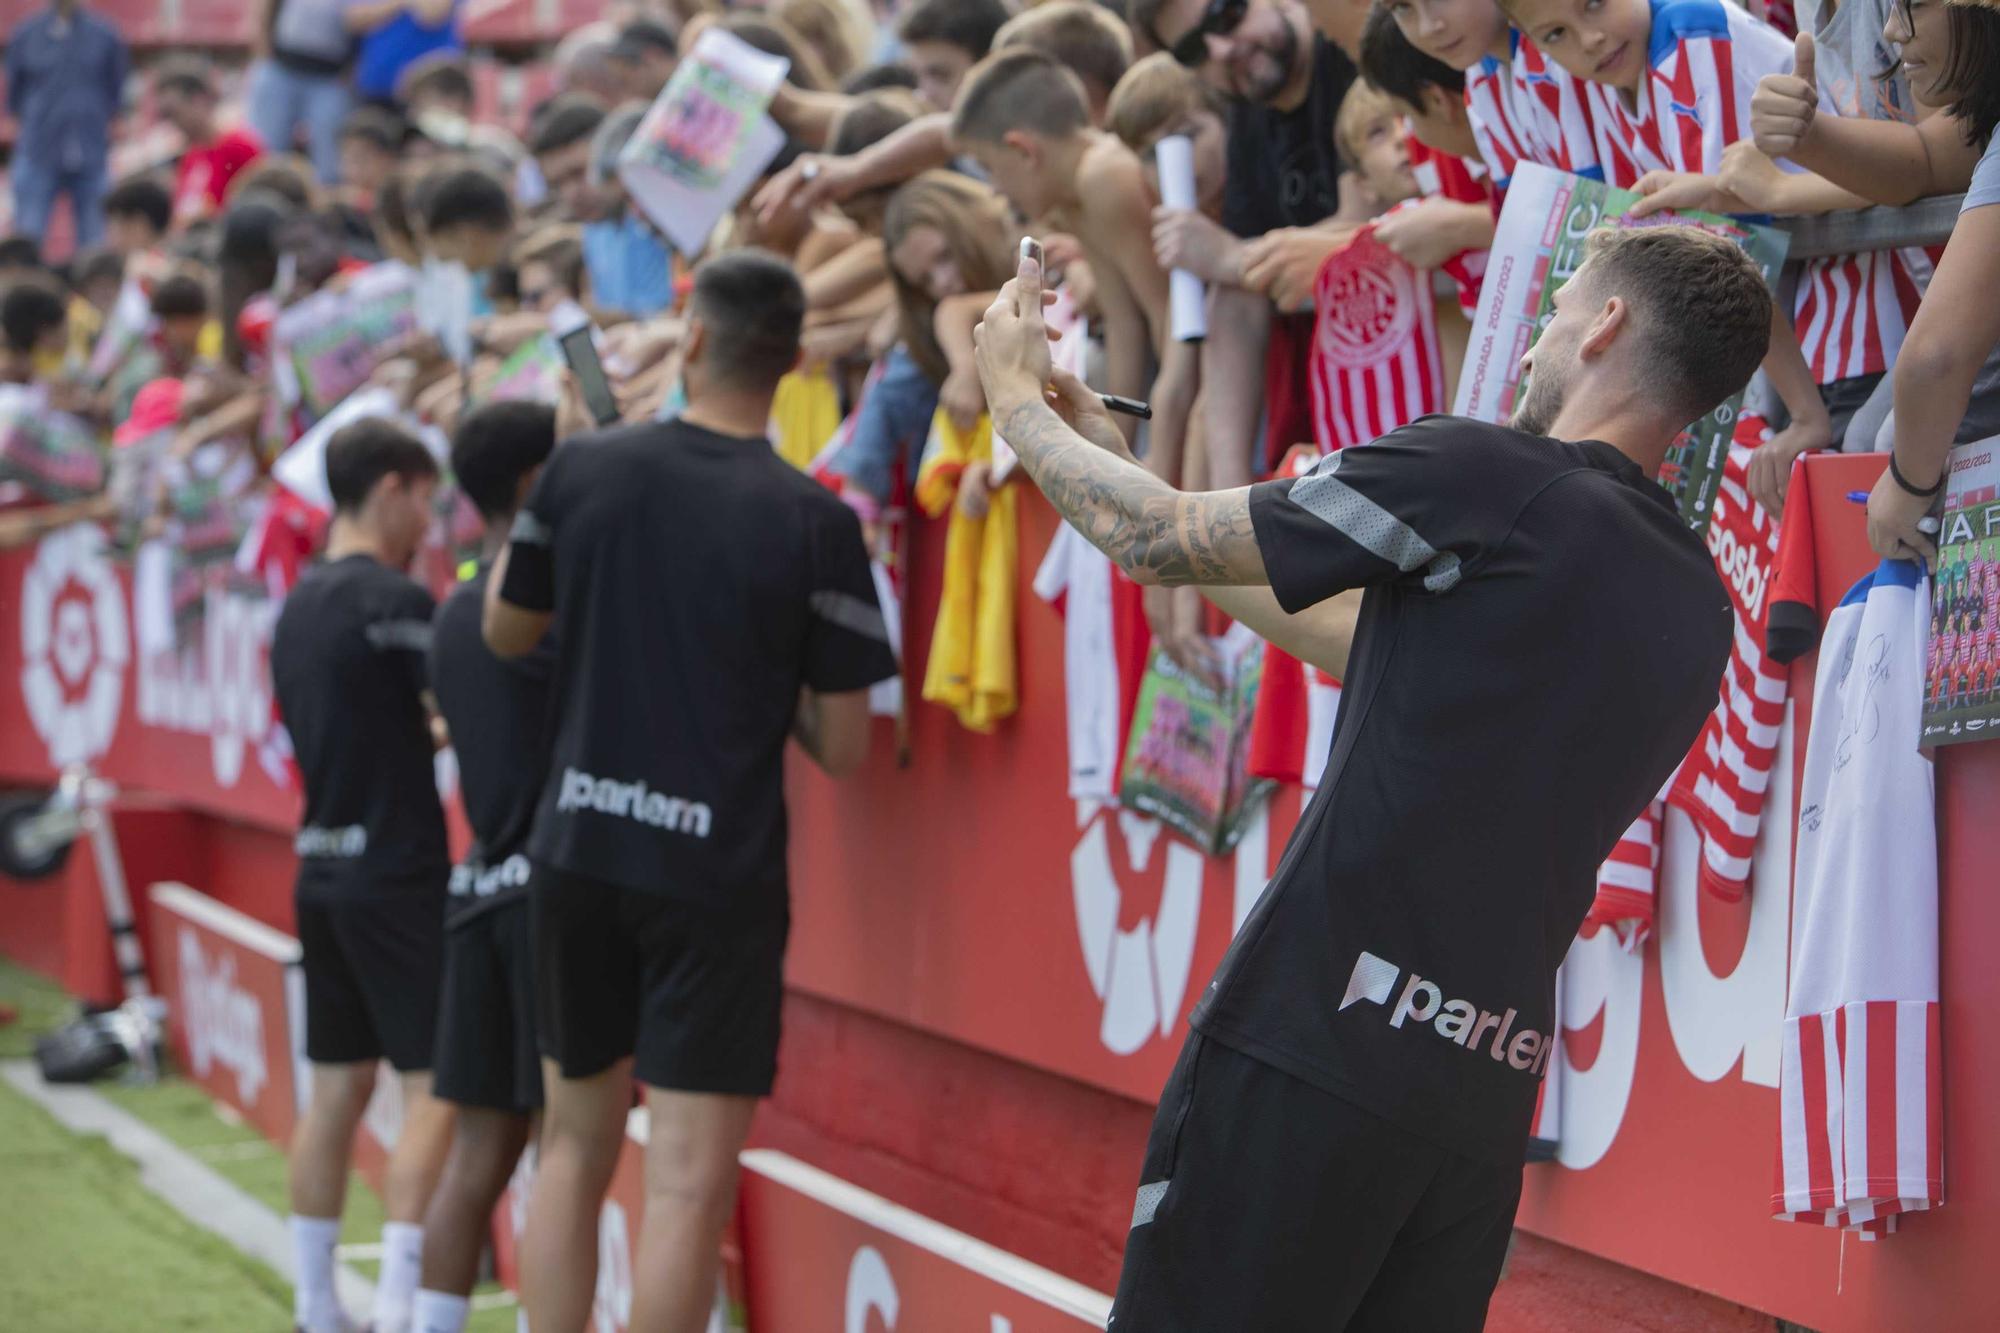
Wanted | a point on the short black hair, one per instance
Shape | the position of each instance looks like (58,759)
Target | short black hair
(141,197)
(967,24)
(361,453)
(187,75)
(752,307)
(875,78)
(568,119)
(641,35)
(376,126)
(464,196)
(96,266)
(20,252)
(180,296)
(496,445)
(1391,63)
(30,307)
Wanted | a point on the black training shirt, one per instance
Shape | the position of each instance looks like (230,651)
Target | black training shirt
(1540,642)
(698,582)
(348,664)
(1284,170)
(498,713)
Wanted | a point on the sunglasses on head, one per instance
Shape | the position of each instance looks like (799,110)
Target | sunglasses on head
(1218,20)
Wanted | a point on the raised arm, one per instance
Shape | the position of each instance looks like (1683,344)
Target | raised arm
(1155,533)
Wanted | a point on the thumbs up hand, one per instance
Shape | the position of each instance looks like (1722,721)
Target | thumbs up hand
(1783,107)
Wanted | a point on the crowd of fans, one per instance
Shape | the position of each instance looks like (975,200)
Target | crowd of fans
(920,146)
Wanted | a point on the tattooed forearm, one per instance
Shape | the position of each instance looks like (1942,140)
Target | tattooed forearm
(1155,533)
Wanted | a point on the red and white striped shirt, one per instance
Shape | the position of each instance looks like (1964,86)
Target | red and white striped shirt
(1558,106)
(1853,310)
(1503,122)
(1705,59)
(1375,363)
(1722,785)
(1445,176)
(1860,1078)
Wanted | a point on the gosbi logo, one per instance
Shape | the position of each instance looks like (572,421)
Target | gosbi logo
(224,1022)
(75,644)
(1365,303)
(1460,1022)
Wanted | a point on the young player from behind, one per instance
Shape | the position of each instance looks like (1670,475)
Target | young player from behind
(497,711)
(660,900)
(348,665)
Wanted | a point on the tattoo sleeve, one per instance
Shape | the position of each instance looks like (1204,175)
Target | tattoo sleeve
(1155,533)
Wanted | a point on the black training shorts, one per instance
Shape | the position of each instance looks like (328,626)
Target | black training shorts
(1268,1204)
(691,994)
(372,967)
(486,1031)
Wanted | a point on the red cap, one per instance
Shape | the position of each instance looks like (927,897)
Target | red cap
(156,407)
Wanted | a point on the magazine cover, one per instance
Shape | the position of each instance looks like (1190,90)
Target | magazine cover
(705,138)
(1962,663)
(330,342)
(1186,762)
(1538,245)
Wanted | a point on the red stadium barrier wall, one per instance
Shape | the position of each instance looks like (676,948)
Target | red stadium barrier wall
(235,1005)
(990,985)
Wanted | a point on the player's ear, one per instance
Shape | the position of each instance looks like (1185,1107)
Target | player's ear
(693,337)
(1024,143)
(1612,319)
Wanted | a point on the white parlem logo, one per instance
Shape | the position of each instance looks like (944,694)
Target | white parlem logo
(1460,1022)
(75,644)
(632,800)
(224,1022)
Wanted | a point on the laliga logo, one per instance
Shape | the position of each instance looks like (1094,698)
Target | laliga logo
(74,645)
(871,1289)
(1141,972)
(225,1023)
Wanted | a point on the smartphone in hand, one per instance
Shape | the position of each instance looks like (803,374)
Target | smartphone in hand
(581,353)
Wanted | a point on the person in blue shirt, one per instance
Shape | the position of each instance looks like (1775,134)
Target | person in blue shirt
(576,146)
(66,72)
(395,34)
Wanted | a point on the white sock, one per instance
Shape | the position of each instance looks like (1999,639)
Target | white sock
(315,1306)
(438,1312)
(402,1267)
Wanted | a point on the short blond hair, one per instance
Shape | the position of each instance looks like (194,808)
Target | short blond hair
(1089,39)
(1156,95)
(1018,90)
(1363,103)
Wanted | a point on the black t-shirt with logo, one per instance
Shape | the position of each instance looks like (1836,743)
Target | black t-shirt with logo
(698,582)
(1284,170)
(348,660)
(1540,641)
(497,711)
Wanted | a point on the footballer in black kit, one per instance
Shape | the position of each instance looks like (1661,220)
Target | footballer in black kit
(711,604)
(1529,637)
(348,660)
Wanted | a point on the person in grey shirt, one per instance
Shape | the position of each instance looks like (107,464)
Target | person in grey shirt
(300,78)
(66,72)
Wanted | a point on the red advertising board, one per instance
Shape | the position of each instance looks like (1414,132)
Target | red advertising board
(234,1005)
(823,1254)
(968,897)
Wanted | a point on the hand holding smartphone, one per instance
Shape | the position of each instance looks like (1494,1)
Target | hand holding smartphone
(1131,407)
(579,349)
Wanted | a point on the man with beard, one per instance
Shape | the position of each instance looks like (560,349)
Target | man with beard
(1539,640)
(1285,82)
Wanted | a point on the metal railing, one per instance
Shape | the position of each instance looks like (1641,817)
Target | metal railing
(1926,222)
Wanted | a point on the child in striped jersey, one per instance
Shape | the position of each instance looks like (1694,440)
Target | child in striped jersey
(1668,86)
(1521,106)
(1453,226)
